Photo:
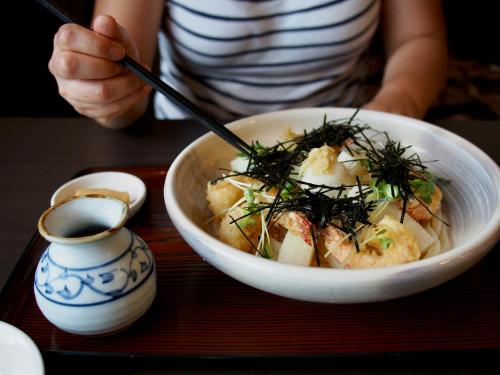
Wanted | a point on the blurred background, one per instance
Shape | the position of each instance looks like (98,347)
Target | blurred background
(473,89)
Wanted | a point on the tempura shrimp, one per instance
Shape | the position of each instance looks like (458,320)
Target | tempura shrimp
(238,233)
(297,247)
(297,224)
(223,194)
(419,212)
(340,249)
(387,243)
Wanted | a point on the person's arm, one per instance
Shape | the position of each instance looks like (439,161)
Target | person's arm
(141,19)
(417,58)
(84,61)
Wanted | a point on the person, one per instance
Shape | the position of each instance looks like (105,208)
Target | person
(239,57)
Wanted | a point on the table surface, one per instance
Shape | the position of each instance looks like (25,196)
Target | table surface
(37,155)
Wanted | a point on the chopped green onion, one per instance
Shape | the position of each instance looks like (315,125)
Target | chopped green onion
(384,190)
(267,251)
(246,220)
(287,190)
(424,188)
(390,191)
(249,196)
(386,242)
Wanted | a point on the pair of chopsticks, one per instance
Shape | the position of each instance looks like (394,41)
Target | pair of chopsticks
(168,92)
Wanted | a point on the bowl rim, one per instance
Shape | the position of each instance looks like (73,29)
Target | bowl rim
(487,237)
(20,335)
(59,239)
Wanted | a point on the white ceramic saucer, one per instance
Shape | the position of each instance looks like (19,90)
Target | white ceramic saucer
(118,181)
(18,353)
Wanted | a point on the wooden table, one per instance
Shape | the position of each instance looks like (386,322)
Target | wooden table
(39,154)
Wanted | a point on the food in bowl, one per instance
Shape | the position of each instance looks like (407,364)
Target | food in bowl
(471,204)
(341,195)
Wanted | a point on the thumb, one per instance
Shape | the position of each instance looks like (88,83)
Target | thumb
(108,27)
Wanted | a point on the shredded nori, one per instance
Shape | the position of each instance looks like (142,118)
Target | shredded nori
(344,213)
(273,167)
(390,165)
(331,133)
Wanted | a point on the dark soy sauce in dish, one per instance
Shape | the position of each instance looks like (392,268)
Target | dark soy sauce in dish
(87,230)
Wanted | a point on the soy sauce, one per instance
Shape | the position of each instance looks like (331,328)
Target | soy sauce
(88,230)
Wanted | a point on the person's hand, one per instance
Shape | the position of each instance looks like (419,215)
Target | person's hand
(84,65)
(394,100)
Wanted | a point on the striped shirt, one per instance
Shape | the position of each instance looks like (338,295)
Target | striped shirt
(235,58)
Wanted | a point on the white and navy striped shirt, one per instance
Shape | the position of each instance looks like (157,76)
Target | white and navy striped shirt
(239,57)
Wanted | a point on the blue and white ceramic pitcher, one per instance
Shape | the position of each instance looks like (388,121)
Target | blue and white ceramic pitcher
(96,277)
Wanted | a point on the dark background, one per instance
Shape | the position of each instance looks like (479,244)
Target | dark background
(27,31)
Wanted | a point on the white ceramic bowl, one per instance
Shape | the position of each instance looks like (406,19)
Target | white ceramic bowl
(472,200)
(118,181)
(18,353)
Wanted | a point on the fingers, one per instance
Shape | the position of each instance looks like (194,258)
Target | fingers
(84,63)
(72,65)
(75,38)
(80,53)
(99,92)
(109,28)
(100,112)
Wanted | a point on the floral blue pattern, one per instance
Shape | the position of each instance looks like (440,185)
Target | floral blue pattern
(95,285)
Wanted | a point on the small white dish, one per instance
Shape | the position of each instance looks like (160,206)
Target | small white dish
(18,353)
(118,181)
